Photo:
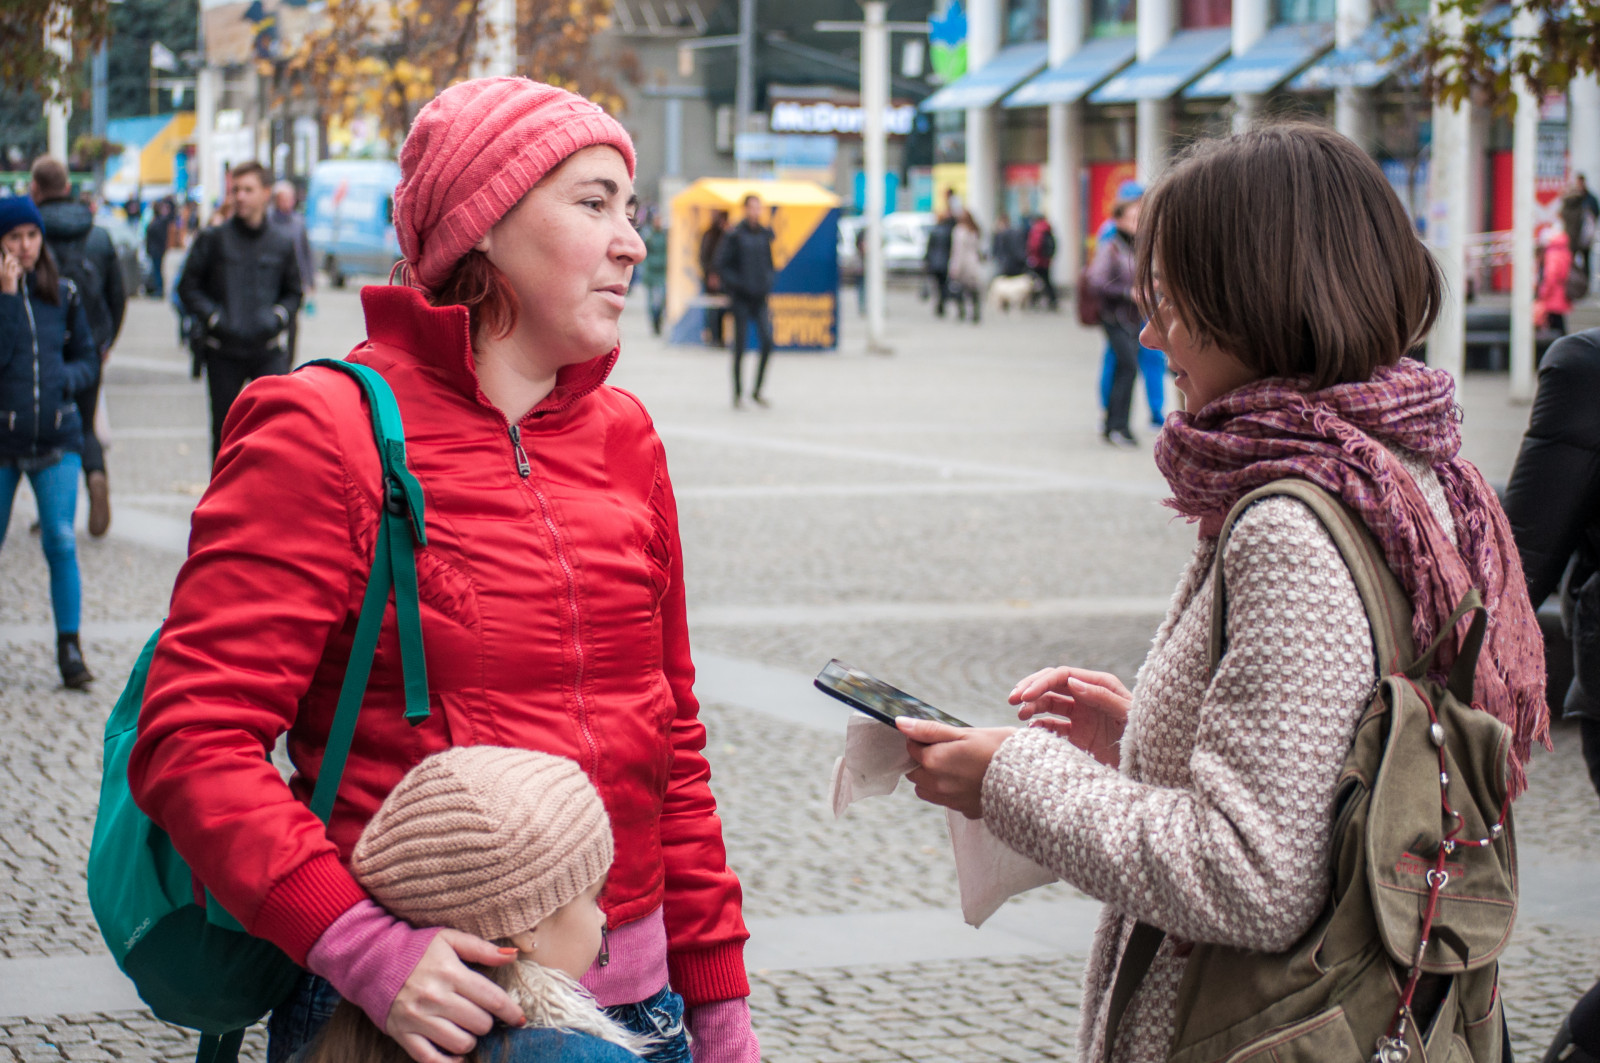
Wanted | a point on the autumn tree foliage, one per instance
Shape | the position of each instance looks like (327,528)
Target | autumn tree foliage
(385,59)
(25,61)
(1470,50)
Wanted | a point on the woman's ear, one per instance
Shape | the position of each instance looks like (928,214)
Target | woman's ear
(524,941)
(483,243)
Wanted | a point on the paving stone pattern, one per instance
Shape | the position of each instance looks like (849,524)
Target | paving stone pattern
(988,487)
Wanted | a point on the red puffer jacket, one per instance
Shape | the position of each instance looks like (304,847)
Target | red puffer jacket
(552,611)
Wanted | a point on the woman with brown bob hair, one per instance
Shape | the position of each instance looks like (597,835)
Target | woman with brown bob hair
(1285,284)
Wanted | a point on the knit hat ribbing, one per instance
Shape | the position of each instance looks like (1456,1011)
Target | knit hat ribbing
(485,840)
(18,210)
(474,151)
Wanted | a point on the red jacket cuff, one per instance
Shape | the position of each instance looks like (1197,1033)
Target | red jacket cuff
(302,906)
(706,975)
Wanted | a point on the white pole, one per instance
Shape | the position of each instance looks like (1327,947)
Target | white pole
(1250,21)
(1064,144)
(1583,133)
(874,102)
(983,155)
(1524,153)
(1352,107)
(209,174)
(1447,222)
(58,106)
(744,90)
(497,48)
(1154,117)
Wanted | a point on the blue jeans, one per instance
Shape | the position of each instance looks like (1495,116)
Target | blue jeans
(1152,366)
(56,489)
(296,1022)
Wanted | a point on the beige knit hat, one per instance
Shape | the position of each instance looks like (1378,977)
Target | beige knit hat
(485,840)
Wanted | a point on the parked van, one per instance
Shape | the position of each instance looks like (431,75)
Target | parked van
(350,217)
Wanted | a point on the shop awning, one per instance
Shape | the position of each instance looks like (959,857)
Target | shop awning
(982,87)
(1189,54)
(1078,74)
(1271,61)
(1363,64)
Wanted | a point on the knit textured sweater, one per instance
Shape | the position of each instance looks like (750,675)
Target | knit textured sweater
(1216,825)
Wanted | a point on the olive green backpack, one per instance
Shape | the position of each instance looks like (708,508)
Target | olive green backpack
(1424,874)
(190,960)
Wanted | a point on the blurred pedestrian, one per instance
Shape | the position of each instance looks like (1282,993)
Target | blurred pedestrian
(936,259)
(710,283)
(1152,363)
(1112,275)
(158,234)
(744,263)
(47,355)
(1580,213)
(284,215)
(1041,244)
(85,255)
(1551,304)
(241,285)
(1009,247)
(552,601)
(653,273)
(966,266)
(1553,502)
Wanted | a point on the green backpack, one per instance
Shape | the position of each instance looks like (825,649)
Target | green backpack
(194,964)
(1424,882)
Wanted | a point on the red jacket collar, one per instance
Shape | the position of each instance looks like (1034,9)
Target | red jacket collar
(440,337)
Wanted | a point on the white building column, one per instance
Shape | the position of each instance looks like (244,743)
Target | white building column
(1524,170)
(1064,146)
(1250,21)
(1153,135)
(983,133)
(1449,186)
(1352,107)
(1583,136)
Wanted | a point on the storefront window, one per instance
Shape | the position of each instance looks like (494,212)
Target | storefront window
(1114,18)
(1299,12)
(1026,21)
(1203,14)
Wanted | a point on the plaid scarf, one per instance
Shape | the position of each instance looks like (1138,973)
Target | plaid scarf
(1337,438)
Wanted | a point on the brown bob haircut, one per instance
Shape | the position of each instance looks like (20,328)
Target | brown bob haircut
(1285,247)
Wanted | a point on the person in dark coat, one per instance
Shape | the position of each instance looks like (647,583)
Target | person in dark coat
(241,284)
(85,255)
(744,264)
(1009,248)
(47,356)
(1553,502)
(711,284)
(157,238)
(936,259)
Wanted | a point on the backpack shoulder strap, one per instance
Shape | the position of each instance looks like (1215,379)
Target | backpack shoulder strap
(400,533)
(1388,608)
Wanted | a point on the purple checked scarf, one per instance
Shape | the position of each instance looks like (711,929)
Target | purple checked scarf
(1336,438)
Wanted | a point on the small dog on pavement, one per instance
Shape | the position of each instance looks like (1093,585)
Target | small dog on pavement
(1007,293)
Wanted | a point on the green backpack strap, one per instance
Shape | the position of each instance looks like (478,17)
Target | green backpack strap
(1388,608)
(220,1048)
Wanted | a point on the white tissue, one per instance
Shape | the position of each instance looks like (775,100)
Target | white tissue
(988,871)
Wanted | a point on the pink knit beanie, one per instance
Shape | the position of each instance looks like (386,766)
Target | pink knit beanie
(485,840)
(472,154)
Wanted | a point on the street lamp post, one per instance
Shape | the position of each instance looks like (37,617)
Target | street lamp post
(874,30)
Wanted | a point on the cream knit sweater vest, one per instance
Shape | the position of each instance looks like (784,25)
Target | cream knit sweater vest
(1216,826)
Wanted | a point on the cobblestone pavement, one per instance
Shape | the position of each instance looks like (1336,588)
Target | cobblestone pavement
(945,517)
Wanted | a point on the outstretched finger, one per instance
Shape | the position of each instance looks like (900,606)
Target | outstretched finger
(927,732)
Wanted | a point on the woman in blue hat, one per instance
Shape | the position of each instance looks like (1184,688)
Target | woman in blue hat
(46,356)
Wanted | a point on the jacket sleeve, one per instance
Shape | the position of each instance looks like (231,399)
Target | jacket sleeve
(270,578)
(78,355)
(1098,276)
(1555,484)
(727,262)
(1239,856)
(705,926)
(191,283)
(290,288)
(116,293)
(13,326)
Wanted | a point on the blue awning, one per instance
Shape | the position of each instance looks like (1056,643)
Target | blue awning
(1271,61)
(1078,74)
(982,87)
(1189,54)
(1362,64)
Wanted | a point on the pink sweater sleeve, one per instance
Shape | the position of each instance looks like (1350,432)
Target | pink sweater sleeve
(367,955)
(720,1032)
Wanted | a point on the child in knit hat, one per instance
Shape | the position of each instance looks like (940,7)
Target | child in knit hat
(513,846)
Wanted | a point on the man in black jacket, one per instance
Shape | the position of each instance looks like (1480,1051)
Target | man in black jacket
(85,255)
(744,265)
(241,284)
(1553,502)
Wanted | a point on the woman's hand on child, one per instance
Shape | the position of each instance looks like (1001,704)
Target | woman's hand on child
(951,762)
(445,1006)
(1088,708)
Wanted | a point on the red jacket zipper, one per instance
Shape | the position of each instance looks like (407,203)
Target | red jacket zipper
(525,470)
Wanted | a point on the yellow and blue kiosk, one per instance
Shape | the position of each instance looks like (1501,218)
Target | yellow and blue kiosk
(804,218)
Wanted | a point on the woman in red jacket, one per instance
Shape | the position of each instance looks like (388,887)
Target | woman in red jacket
(551,588)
